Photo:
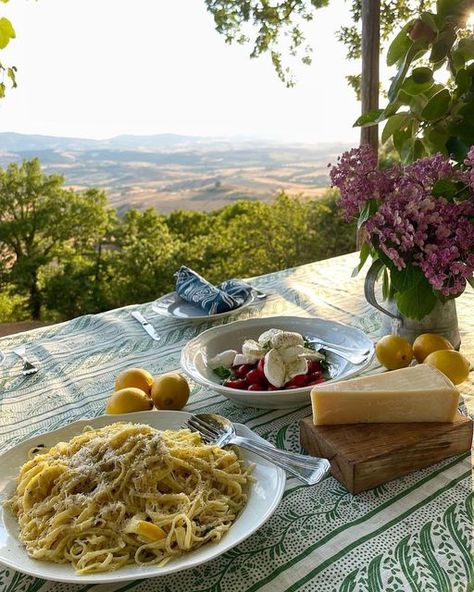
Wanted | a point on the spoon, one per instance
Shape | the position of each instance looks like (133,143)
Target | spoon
(352,356)
(218,430)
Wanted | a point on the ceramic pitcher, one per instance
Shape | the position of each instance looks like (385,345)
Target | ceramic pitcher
(442,319)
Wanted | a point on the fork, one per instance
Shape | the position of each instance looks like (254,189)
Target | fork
(218,430)
(28,367)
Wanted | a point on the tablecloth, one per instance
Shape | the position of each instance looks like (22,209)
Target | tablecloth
(412,534)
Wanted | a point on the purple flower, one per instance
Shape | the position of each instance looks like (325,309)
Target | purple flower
(411,226)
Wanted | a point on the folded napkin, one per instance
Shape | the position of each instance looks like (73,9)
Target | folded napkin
(193,288)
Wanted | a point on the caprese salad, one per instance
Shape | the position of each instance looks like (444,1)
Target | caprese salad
(276,360)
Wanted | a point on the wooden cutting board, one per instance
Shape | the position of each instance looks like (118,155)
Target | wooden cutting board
(365,455)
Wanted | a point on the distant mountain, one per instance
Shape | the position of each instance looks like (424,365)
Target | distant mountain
(10,141)
(170,171)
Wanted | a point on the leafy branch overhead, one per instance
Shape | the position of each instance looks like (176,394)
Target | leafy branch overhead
(431,96)
(278,28)
(7,32)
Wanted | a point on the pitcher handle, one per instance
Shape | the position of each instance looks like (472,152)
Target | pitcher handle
(369,288)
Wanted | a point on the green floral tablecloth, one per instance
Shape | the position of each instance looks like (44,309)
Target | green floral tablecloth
(413,534)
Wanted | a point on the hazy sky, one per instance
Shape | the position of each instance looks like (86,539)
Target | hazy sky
(98,68)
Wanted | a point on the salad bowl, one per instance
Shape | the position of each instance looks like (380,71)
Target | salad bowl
(196,354)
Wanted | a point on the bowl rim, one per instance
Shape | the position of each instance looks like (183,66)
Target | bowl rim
(195,375)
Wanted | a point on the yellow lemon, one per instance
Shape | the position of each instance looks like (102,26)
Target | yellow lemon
(427,343)
(451,363)
(394,352)
(128,400)
(135,378)
(170,391)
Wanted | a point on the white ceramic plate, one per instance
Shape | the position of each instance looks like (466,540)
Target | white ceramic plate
(231,336)
(171,305)
(264,496)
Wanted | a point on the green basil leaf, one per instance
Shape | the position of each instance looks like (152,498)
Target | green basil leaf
(222,372)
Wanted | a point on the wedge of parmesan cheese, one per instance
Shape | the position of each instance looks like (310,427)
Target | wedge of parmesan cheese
(416,394)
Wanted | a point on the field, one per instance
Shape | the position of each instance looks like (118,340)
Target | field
(170,172)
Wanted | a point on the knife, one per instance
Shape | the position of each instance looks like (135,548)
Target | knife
(145,324)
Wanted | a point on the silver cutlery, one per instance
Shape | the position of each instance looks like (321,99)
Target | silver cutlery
(28,367)
(354,356)
(218,430)
(145,324)
(259,295)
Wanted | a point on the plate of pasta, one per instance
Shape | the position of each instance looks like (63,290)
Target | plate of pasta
(125,497)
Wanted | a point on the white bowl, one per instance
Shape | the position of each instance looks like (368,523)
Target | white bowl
(231,336)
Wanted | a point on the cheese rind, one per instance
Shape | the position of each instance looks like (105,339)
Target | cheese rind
(416,394)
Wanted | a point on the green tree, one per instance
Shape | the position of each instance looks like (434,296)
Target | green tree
(423,115)
(145,258)
(41,222)
(277,27)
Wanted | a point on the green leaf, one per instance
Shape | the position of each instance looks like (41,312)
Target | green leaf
(457,148)
(443,44)
(406,278)
(416,50)
(369,118)
(463,81)
(394,123)
(385,284)
(414,87)
(470,281)
(429,19)
(401,137)
(363,256)
(417,301)
(7,32)
(466,48)
(444,188)
(367,211)
(399,46)
(436,140)
(437,106)
(222,372)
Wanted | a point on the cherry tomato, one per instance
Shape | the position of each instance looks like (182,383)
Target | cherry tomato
(314,366)
(255,376)
(314,376)
(242,370)
(239,383)
(297,381)
(317,381)
(260,365)
(255,387)
(270,387)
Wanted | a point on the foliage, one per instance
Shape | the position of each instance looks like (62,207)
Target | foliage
(425,115)
(279,27)
(64,253)
(40,223)
(7,32)
(417,220)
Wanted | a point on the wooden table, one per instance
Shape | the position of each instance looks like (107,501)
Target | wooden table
(412,534)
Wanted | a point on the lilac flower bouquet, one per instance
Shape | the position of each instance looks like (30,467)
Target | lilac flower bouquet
(418,220)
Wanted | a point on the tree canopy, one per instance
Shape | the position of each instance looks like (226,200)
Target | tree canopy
(278,27)
(64,253)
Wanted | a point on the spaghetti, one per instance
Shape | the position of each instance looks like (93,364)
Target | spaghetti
(127,494)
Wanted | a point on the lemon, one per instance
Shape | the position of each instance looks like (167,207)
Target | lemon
(170,391)
(393,352)
(128,400)
(135,378)
(427,343)
(451,363)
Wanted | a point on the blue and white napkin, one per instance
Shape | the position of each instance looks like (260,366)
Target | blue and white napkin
(193,288)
